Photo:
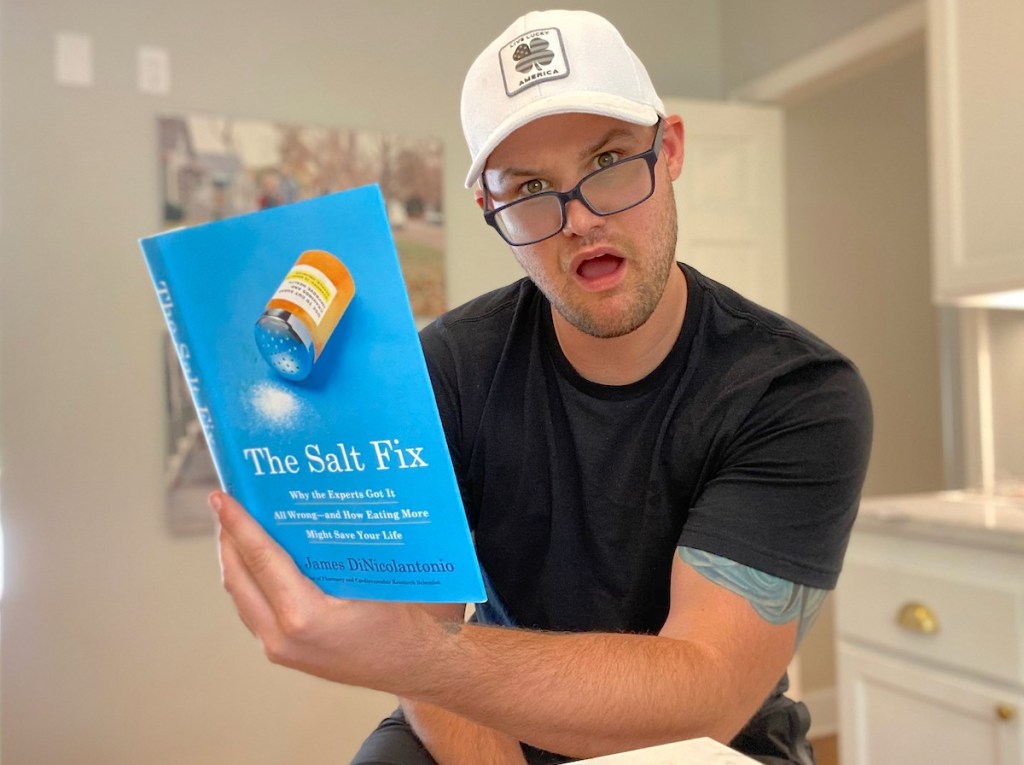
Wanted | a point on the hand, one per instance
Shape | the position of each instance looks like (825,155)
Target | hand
(365,643)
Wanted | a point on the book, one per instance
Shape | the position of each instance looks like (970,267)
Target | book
(295,336)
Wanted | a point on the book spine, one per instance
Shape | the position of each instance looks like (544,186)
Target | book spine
(162,282)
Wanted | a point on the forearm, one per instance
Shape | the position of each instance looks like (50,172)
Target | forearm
(584,694)
(577,694)
(454,740)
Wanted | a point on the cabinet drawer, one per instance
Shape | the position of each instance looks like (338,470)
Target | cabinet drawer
(894,710)
(931,613)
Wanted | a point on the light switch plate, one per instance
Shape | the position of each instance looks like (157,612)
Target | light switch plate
(154,70)
(73,65)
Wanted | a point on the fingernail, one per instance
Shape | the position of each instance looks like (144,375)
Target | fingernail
(215,501)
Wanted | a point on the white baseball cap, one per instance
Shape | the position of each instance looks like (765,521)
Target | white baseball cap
(552,62)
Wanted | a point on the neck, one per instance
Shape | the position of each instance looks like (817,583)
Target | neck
(626,359)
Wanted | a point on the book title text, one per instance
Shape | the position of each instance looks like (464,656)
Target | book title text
(385,454)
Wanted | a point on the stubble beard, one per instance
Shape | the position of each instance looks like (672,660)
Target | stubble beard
(652,275)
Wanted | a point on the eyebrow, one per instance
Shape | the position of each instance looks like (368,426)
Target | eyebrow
(584,153)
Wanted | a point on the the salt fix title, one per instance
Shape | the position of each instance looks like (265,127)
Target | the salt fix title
(339,458)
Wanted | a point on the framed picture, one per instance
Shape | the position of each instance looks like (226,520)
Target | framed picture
(215,167)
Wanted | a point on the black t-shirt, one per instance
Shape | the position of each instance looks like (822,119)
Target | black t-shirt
(749,441)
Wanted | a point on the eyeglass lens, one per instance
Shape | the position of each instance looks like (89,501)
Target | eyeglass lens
(609,190)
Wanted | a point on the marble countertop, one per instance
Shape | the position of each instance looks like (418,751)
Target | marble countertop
(950,516)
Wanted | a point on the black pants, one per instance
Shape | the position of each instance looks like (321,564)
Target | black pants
(395,743)
(776,736)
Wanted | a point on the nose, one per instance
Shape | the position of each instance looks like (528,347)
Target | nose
(579,220)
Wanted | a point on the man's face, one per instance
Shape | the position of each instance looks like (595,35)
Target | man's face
(604,275)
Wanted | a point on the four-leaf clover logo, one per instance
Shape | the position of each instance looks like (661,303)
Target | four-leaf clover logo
(536,54)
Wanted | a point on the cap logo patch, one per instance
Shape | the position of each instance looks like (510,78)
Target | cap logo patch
(532,58)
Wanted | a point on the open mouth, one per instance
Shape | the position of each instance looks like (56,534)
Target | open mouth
(594,269)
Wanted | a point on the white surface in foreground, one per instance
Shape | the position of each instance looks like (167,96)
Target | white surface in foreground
(697,751)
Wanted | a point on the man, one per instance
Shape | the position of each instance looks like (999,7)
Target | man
(660,476)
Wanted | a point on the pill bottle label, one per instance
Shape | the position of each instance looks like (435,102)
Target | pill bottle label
(309,288)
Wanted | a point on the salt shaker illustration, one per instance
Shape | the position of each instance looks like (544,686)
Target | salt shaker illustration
(303,313)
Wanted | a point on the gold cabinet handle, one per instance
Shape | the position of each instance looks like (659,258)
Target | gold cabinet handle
(917,617)
(1006,712)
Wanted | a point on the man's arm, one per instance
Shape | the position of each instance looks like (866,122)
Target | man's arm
(450,738)
(582,695)
(705,674)
(453,739)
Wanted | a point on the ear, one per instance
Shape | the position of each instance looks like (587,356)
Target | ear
(478,194)
(672,144)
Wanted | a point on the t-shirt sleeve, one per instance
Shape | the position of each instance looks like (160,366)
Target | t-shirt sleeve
(784,494)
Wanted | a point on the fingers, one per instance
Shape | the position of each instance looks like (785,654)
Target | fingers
(296,623)
(252,606)
(269,565)
(250,541)
(259,575)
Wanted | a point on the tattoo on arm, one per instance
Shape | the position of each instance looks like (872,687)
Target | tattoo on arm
(451,628)
(776,600)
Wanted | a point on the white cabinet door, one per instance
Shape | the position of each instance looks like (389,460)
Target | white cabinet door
(730,197)
(975,71)
(897,712)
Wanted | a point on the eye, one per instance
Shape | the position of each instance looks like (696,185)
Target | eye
(606,158)
(534,186)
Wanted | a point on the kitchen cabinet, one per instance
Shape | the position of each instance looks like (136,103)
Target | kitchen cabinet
(930,638)
(906,712)
(975,68)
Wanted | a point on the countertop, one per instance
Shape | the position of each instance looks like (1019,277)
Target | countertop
(978,520)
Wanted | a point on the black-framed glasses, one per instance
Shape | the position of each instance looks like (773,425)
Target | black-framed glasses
(609,190)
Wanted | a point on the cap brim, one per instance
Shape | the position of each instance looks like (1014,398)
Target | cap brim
(584,102)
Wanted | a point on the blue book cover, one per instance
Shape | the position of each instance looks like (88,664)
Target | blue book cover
(297,342)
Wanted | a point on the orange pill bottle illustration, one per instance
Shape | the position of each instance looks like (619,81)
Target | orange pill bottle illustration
(303,313)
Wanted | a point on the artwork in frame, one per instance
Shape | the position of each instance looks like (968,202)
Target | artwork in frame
(214,167)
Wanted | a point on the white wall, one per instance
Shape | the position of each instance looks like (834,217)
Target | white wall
(759,36)
(857,167)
